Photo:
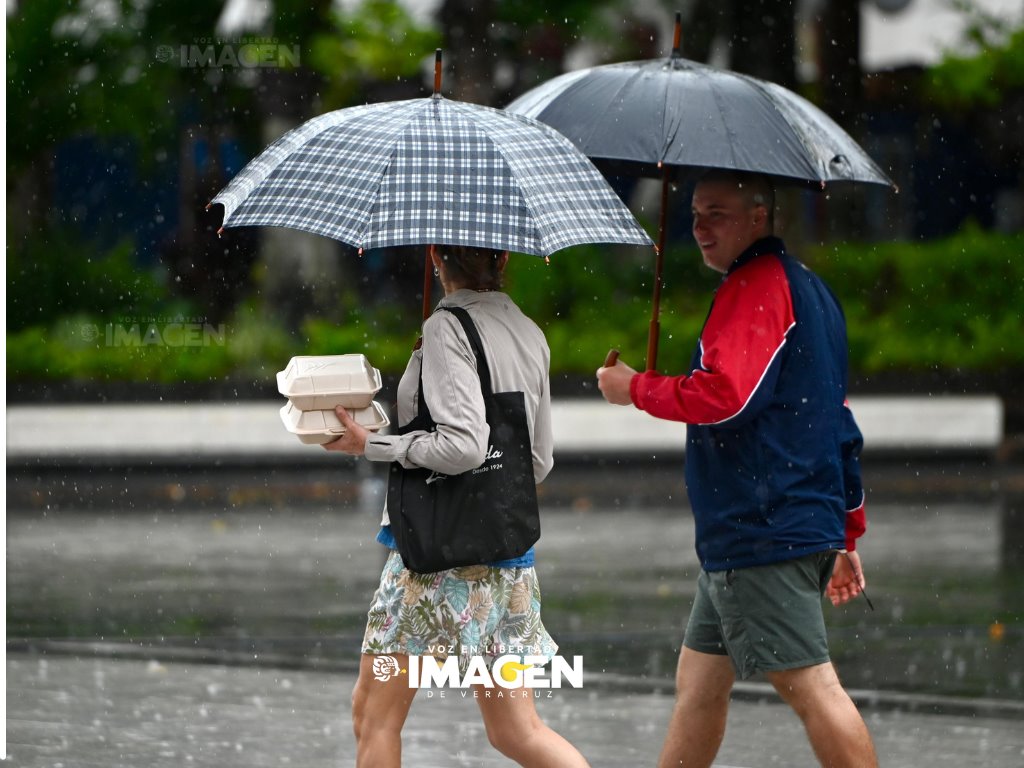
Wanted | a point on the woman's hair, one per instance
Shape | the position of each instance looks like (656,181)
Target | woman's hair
(473,268)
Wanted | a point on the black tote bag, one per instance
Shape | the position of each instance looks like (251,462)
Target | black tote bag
(483,515)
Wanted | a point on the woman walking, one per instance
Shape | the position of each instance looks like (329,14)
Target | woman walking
(478,610)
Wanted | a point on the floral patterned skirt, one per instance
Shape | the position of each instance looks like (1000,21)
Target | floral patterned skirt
(476,610)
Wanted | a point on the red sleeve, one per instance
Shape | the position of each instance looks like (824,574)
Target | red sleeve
(852,444)
(856,524)
(744,334)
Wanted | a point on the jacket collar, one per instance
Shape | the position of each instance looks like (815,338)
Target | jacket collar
(758,248)
(465,297)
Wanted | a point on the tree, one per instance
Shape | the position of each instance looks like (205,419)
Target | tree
(156,83)
(759,36)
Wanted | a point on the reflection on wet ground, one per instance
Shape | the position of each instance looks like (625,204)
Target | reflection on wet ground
(293,583)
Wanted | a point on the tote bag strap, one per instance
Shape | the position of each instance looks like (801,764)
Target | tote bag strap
(478,347)
(482,369)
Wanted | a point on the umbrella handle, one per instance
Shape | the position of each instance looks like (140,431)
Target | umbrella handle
(611,358)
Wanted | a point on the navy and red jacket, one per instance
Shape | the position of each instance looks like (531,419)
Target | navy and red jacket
(772,448)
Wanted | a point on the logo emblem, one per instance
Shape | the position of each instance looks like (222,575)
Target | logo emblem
(385,667)
(164,53)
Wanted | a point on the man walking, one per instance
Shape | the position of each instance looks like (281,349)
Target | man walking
(773,478)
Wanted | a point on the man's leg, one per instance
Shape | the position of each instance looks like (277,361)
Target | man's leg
(379,710)
(515,729)
(835,728)
(695,732)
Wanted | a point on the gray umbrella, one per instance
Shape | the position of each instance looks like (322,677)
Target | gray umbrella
(677,112)
(665,116)
(430,171)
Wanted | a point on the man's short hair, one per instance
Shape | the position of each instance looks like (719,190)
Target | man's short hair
(756,188)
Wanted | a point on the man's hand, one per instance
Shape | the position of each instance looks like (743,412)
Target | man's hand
(847,579)
(353,442)
(613,382)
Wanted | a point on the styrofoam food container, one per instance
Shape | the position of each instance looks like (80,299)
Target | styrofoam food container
(321,426)
(318,382)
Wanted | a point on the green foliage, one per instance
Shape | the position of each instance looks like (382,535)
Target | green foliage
(85,347)
(163,347)
(952,304)
(983,78)
(377,40)
(591,298)
(373,331)
(571,19)
(72,70)
(59,275)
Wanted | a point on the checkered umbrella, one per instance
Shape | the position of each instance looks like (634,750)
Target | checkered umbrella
(429,171)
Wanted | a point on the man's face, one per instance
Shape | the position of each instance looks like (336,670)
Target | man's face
(724,223)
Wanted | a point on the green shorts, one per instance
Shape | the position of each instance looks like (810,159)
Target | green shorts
(767,618)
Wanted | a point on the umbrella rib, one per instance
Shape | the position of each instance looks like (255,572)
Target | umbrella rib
(669,137)
(719,102)
(263,167)
(762,90)
(615,97)
(497,148)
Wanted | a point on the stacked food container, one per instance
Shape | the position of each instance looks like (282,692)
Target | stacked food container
(315,384)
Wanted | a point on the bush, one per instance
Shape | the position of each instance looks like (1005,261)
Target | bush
(58,275)
(589,299)
(952,304)
(944,305)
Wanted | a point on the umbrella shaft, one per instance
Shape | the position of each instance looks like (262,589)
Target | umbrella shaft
(428,281)
(659,264)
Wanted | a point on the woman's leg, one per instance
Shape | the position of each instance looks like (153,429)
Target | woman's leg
(515,729)
(379,709)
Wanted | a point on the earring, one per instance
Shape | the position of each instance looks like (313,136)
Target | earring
(437,272)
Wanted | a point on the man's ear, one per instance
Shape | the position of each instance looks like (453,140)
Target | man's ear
(502,260)
(760,216)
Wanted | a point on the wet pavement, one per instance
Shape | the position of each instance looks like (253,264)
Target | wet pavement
(71,712)
(294,581)
(222,635)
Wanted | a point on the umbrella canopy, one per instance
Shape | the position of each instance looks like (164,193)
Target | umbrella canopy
(428,171)
(665,116)
(645,115)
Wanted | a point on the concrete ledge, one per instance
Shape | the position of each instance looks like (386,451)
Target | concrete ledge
(251,429)
(943,422)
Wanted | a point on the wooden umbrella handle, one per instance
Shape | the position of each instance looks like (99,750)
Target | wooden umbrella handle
(611,358)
